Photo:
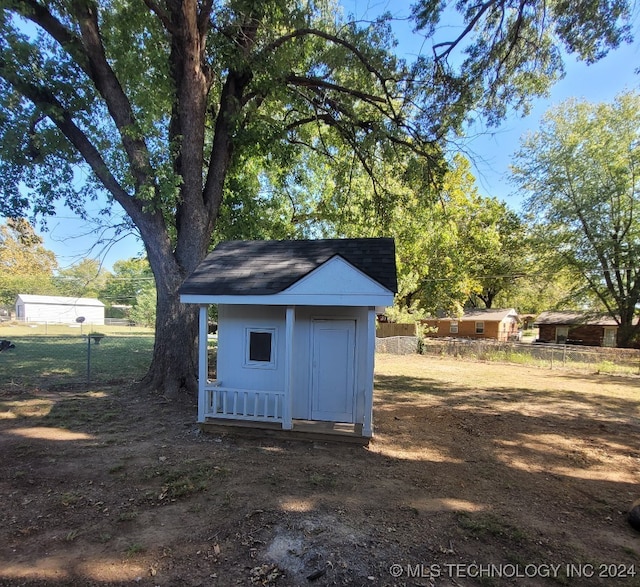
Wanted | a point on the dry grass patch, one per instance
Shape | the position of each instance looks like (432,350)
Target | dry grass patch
(472,463)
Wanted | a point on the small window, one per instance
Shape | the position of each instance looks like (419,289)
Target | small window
(260,347)
(479,327)
(453,328)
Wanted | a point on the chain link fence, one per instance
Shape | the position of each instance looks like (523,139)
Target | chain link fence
(83,359)
(397,345)
(604,360)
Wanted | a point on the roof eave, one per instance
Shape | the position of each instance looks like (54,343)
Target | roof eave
(283,299)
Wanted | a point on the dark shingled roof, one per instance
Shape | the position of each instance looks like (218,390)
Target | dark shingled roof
(575,318)
(269,267)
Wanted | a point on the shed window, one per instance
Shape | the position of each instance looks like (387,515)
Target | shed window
(453,328)
(260,347)
(479,327)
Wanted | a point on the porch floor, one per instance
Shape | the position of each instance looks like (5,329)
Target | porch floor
(302,430)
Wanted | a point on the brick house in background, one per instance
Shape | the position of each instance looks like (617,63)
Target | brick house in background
(495,324)
(577,328)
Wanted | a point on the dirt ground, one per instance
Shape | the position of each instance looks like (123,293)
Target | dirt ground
(479,474)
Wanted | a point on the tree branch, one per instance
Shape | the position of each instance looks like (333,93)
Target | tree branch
(163,15)
(203,17)
(110,89)
(304,32)
(87,51)
(61,117)
(231,101)
(453,44)
(41,16)
(316,82)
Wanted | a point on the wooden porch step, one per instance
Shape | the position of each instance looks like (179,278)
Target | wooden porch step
(302,430)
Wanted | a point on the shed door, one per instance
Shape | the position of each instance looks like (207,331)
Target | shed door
(332,373)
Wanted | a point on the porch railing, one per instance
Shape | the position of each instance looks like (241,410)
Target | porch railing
(242,404)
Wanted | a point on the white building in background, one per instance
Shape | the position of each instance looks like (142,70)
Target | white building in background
(58,309)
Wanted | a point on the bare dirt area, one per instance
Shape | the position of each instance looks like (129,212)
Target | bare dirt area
(479,474)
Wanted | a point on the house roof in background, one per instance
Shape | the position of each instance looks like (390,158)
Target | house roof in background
(58,300)
(488,315)
(269,267)
(575,318)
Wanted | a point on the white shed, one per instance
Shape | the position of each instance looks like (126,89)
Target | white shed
(296,331)
(58,309)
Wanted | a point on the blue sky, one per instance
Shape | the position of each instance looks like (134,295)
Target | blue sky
(490,152)
(600,82)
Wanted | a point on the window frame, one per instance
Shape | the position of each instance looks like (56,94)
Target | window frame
(479,326)
(453,327)
(271,363)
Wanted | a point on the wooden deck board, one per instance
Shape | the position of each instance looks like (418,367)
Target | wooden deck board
(302,430)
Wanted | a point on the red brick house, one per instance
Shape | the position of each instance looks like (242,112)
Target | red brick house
(498,324)
(577,328)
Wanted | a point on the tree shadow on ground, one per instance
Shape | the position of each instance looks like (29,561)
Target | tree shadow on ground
(453,475)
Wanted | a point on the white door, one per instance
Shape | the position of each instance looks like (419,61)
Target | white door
(610,337)
(562,333)
(332,373)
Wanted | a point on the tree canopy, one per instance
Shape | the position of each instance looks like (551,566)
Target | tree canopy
(181,110)
(461,250)
(26,266)
(581,172)
(128,278)
(83,279)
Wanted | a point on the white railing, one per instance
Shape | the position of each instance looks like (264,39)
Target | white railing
(242,404)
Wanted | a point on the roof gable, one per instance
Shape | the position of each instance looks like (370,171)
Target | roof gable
(337,277)
(250,268)
(483,314)
(489,314)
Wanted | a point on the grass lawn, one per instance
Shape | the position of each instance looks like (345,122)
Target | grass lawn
(65,360)
(15,329)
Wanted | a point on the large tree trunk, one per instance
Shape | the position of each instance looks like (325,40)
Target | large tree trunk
(174,366)
(628,333)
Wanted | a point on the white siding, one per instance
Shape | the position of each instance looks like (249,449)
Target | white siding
(232,324)
(233,373)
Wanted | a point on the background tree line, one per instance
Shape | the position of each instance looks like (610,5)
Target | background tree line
(575,245)
(27,267)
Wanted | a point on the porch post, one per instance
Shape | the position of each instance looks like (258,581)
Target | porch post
(203,360)
(367,425)
(287,407)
